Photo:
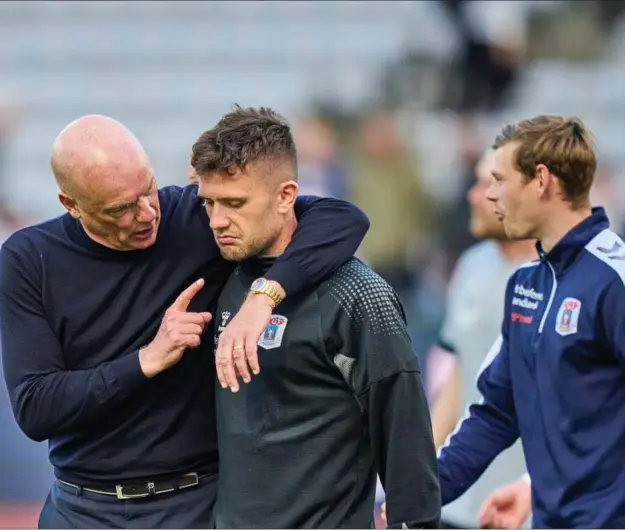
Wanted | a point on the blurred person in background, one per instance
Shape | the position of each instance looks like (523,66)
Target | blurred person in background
(321,170)
(385,183)
(456,233)
(474,308)
(491,39)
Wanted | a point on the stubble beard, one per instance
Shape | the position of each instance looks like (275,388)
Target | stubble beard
(243,253)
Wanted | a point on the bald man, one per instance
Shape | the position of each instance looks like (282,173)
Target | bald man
(105,326)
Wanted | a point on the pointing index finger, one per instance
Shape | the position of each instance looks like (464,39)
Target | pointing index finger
(184,298)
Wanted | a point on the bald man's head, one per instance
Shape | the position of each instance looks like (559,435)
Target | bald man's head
(88,147)
(106,181)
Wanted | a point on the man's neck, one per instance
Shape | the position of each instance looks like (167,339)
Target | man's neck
(518,251)
(559,224)
(284,238)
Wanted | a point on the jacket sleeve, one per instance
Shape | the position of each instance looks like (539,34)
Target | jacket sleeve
(47,399)
(612,313)
(328,234)
(378,362)
(490,427)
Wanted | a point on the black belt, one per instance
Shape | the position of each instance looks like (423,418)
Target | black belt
(144,488)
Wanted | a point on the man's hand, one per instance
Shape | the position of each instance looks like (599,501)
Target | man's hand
(179,330)
(238,342)
(507,507)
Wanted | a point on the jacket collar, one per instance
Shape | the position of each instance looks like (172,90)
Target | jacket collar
(568,248)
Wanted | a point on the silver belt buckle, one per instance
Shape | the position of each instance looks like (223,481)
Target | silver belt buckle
(196,481)
(119,488)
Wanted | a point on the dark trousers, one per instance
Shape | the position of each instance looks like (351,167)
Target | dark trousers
(69,507)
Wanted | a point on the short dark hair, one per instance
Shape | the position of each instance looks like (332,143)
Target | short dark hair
(564,145)
(241,137)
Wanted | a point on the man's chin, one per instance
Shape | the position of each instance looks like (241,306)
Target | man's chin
(232,255)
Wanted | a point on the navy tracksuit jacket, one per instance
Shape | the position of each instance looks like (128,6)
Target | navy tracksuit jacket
(556,378)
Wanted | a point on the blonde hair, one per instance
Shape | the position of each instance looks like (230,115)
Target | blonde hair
(564,145)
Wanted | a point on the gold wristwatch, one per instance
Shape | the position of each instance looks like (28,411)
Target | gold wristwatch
(263,286)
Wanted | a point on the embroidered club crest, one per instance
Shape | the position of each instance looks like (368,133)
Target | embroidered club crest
(568,315)
(272,336)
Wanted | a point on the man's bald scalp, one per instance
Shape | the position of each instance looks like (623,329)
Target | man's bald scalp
(89,142)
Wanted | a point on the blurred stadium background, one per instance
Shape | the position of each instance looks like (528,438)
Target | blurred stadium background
(392,103)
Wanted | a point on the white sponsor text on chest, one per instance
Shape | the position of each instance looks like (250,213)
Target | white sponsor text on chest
(527,298)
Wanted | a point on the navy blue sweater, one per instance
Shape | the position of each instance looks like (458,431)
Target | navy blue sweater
(556,378)
(73,315)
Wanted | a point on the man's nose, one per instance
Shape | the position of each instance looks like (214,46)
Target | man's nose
(147,212)
(491,193)
(218,219)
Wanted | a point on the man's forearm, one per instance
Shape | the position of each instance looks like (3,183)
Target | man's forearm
(46,405)
(471,449)
(446,407)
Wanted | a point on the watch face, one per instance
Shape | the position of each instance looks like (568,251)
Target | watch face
(258,283)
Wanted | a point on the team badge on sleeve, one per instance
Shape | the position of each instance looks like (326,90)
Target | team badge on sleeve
(568,315)
(272,336)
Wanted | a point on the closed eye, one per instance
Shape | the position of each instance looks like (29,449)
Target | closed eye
(119,210)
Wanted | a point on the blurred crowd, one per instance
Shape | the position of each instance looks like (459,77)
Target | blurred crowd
(407,158)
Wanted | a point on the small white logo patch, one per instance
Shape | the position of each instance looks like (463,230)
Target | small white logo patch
(224,321)
(272,336)
(568,315)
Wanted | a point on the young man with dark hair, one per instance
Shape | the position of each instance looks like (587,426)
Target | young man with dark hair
(104,350)
(555,375)
(339,395)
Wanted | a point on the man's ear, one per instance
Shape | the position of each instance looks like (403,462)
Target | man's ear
(545,180)
(287,193)
(69,204)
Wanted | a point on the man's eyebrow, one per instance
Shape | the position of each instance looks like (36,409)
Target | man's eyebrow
(221,199)
(119,206)
(128,204)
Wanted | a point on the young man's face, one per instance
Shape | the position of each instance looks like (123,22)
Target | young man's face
(515,197)
(247,210)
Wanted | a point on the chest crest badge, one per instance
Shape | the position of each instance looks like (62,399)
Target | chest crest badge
(272,336)
(568,315)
